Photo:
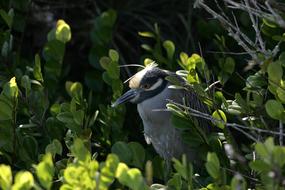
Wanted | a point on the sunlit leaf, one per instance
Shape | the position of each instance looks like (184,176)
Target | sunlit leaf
(45,171)
(23,181)
(5,177)
(147,34)
(221,118)
(79,150)
(11,89)
(62,32)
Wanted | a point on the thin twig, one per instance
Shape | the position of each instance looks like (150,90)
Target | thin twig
(280,133)
(197,113)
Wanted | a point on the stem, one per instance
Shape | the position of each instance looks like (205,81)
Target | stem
(280,133)
(14,122)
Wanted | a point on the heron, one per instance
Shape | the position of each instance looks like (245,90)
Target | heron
(150,90)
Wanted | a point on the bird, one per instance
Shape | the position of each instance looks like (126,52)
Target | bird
(150,90)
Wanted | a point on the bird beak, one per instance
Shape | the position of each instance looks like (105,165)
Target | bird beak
(128,96)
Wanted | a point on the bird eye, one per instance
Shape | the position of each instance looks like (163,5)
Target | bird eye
(145,86)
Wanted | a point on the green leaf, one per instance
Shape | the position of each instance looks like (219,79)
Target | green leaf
(54,52)
(238,182)
(5,49)
(278,156)
(281,94)
(62,32)
(147,47)
(130,177)
(26,83)
(170,48)
(147,34)
(55,128)
(221,118)
(122,150)
(136,180)
(121,173)
(108,171)
(37,69)
(180,168)
(138,154)
(6,135)
(113,70)
(175,182)
(147,61)
(259,166)
(256,81)
(269,23)
(213,165)
(65,117)
(109,17)
(51,35)
(229,65)
(11,89)
(79,150)
(183,57)
(111,67)
(54,148)
(104,62)
(6,110)
(275,72)
(75,90)
(8,18)
(23,181)
(30,145)
(261,150)
(5,177)
(181,122)
(55,109)
(274,109)
(78,117)
(45,171)
(113,54)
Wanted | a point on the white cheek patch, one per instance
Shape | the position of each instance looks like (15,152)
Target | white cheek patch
(136,79)
(155,85)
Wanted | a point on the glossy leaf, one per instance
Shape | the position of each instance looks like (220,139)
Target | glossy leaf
(23,181)
(108,171)
(45,171)
(220,117)
(79,150)
(5,177)
(62,32)
(11,89)
(170,48)
(213,165)
(274,109)
(275,72)
(37,69)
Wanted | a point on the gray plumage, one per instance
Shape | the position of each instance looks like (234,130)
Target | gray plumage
(150,91)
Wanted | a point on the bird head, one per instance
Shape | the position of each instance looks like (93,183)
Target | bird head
(145,84)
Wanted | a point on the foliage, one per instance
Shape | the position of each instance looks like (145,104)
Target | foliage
(58,129)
